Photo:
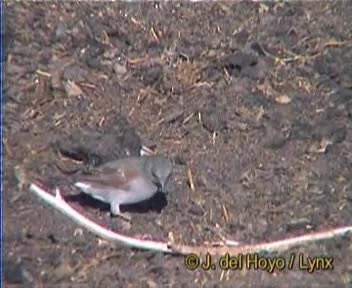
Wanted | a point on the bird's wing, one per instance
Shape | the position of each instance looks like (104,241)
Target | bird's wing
(108,183)
(118,177)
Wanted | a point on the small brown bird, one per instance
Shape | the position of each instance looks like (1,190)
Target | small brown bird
(127,181)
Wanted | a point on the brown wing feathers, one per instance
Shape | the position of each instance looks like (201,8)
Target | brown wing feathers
(111,177)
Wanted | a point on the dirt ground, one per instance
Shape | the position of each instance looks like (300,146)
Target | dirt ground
(254,100)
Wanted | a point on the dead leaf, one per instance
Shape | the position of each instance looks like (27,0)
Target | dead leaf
(21,177)
(56,79)
(334,43)
(263,8)
(260,114)
(119,69)
(72,89)
(321,146)
(283,99)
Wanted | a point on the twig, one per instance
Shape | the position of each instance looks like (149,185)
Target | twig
(274,246)
(88,85)
(190,179)
(226,214)
(231,247)
(188,118)
(155,36)
(43,73)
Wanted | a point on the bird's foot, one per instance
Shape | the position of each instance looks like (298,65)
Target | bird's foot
(124,216)
(115,211)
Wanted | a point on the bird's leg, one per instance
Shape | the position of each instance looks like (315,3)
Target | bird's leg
(115,211)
